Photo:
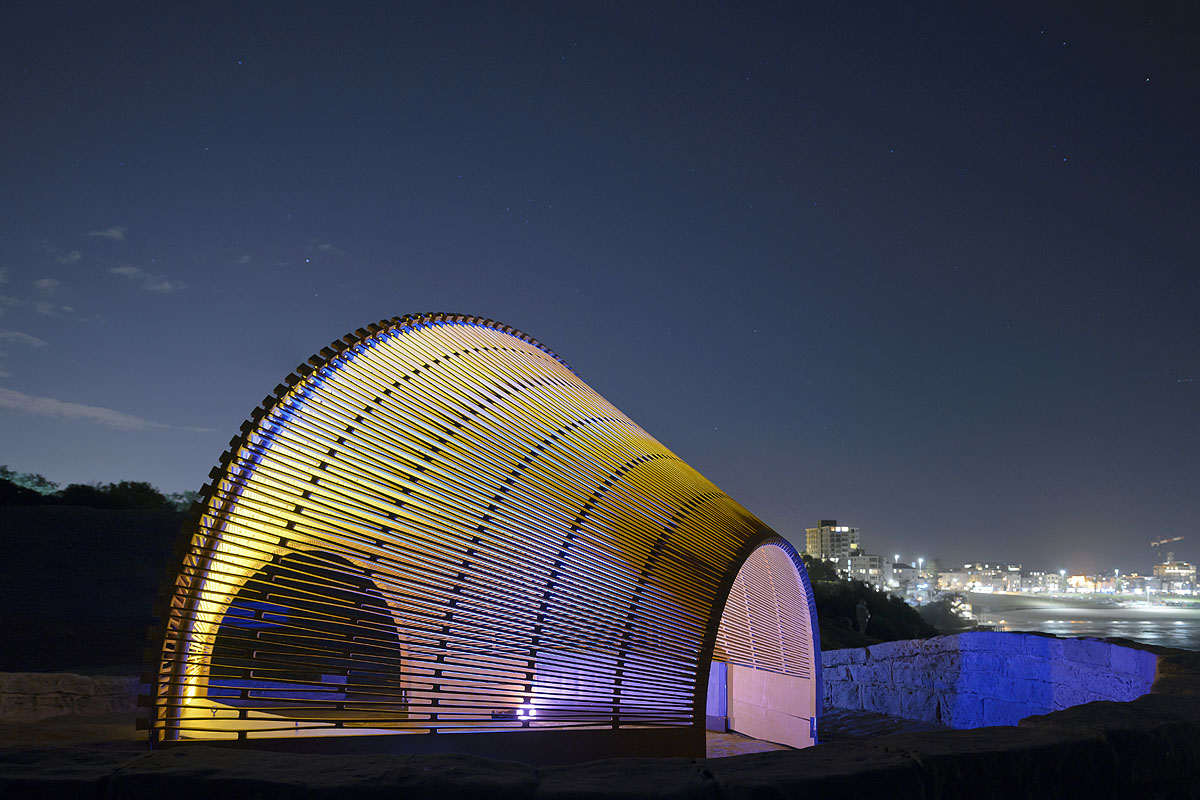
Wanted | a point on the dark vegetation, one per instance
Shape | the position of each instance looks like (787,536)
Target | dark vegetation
(837,611)
(78,585)
(941,615)
(81,568)
(30,489)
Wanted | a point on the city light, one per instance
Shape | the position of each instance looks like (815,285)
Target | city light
(1170,582)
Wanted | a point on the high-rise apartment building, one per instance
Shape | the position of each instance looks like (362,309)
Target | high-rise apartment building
(831,541)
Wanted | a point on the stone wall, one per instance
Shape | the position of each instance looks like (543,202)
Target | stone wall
(984,678)
(34,696)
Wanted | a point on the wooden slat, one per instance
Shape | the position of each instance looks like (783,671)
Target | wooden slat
(435,526)
(767,623)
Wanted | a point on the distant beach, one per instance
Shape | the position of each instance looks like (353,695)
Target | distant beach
(1165,625)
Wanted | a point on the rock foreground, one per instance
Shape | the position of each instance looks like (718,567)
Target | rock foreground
(1145,748)
(1149,751)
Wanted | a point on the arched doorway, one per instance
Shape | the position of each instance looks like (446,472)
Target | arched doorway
(765,678)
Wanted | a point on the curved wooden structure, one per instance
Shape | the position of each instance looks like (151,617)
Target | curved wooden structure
(435,527)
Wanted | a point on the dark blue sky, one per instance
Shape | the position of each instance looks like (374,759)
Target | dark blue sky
(932,272)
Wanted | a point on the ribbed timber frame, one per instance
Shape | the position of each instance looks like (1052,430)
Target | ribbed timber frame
(435,527)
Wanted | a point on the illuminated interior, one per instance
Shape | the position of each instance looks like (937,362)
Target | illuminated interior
(767,644)
(435,527)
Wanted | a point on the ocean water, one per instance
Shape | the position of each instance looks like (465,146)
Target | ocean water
(1168,626)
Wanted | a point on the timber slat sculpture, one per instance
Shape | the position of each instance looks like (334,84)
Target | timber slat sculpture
(435,527)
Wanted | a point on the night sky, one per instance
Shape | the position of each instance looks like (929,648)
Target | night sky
(932,272)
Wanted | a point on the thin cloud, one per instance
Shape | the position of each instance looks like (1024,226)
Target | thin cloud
(46,286)
(164,286)
(318,246)
(52,309)
(71,257)
(244,259)
(49,407)
(3,274)
(148,281)
(116,233)
(16,337)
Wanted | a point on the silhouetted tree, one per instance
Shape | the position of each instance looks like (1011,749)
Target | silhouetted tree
(85,494)
(183,501)
(28,480)
(819,569)
(891,617)
(940,614)
(31,489)
(136,494)
(14,494)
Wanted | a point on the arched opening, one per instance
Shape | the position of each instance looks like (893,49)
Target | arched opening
(309,636)
(765,676)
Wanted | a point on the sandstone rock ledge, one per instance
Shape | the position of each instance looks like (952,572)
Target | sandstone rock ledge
(1144,748)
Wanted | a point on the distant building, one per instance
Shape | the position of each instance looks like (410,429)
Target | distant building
(1039,582)
(1081,584)
(832,542)
(867,568)
(953,581)
(1175,576)
(981,577)
(1013,577)
(1133,583)
(904,574)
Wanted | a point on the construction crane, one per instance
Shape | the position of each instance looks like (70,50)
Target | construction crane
(1160,542)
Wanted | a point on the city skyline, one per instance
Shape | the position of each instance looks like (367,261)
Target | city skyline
(851,542)
(931,271)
